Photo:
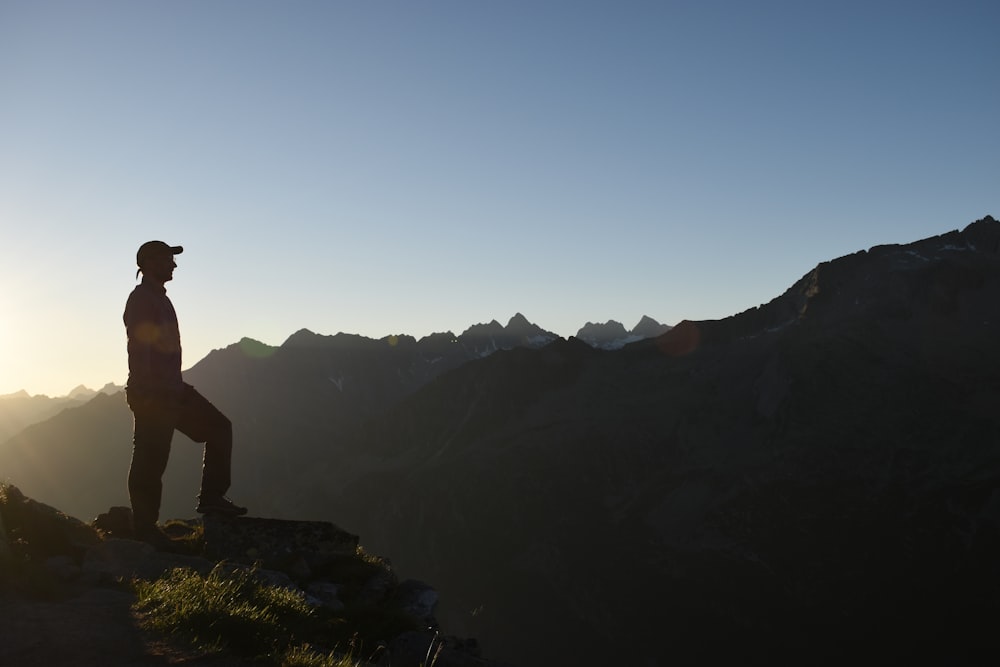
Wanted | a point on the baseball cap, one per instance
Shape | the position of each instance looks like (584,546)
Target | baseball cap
(153,248)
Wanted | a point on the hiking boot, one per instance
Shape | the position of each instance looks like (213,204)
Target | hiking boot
(220,505)
(156,538)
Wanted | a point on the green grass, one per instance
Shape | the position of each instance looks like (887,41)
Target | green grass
(305,656)
(231,610)
(227,610)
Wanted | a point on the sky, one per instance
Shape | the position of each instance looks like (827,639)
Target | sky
(379,167)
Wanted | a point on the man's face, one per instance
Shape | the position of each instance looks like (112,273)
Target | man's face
(160,267)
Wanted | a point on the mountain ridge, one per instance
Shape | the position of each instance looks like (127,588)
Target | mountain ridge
(794,470)
(518,331)
(820,411)
(21,409)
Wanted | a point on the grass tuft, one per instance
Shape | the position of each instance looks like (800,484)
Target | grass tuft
(305,656)
(227,610)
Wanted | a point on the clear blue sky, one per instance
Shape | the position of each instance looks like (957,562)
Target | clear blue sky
(413,167)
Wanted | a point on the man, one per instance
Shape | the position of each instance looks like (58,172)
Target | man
(161,402)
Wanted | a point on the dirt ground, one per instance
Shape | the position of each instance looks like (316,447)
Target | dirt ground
(94,629)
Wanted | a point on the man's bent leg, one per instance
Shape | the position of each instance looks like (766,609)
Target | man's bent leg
(203,422)
(152,433)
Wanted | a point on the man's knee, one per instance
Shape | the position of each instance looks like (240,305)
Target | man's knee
(217,430)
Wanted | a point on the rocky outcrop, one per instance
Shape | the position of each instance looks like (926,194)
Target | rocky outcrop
(316,559)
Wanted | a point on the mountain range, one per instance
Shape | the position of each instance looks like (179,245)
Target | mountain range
(815,479)
(313,387)
(20,410)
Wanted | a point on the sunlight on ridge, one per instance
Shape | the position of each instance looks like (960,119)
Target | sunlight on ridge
(256,349)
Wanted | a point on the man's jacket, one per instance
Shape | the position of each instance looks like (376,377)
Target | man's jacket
(154,343)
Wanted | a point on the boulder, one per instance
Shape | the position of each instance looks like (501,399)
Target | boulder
(276,543)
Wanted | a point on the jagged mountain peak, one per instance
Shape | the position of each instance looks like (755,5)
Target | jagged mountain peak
(518,321)
(81,391)
(647,327)
(610,335)
(306,339)
(445,336)
(530,333)
(484,328)
(613,335)
(610,326)
(484,339)
(302,337)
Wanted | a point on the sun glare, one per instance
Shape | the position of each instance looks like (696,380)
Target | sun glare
(15,345)
(7,347)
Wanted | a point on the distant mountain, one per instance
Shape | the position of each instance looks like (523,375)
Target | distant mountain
(484,339)
(84,393)
(814,479)
(79,457)
(612,335)
(20,410)
(15,396)
(649,328)
(286,402)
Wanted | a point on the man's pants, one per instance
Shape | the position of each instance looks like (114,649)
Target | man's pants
(155,422)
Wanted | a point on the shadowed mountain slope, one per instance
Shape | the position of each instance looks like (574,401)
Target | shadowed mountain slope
(824,466)
(815,479)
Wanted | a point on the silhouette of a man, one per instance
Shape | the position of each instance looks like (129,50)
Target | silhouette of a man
(161,402)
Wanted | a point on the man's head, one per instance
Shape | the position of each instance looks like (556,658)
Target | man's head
(156,260)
